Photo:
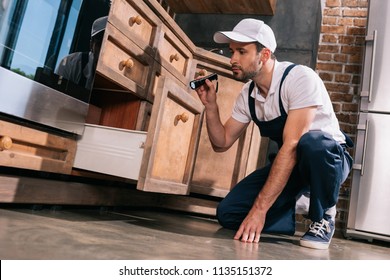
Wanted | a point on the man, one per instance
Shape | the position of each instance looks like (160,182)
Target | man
(290,105)
(80,67)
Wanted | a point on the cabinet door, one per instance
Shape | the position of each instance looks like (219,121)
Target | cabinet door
(216,173)
(172,140)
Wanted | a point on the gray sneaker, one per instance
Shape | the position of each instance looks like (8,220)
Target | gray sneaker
(319,234)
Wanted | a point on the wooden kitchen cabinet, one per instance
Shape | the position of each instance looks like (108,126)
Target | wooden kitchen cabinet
(145,124)
(124,76)
(140,59)
(137,37)
(177,154)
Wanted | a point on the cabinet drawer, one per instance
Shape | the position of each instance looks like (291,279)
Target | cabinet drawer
(24,147)
(137,22)
(174,55)
(124,62)
(111,151)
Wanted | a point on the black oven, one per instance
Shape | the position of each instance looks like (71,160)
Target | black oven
(35,37)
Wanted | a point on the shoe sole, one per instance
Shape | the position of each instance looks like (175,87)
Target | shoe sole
(313,244)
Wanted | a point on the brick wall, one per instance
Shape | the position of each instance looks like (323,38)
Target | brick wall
(339,64)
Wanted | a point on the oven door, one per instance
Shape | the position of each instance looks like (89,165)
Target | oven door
(35,37)
(23,98)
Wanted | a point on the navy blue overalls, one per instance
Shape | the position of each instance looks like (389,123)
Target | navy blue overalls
(322,166)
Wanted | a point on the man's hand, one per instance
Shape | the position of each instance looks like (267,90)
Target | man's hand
(207,94)
(250,229)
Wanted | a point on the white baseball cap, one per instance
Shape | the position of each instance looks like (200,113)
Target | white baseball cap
(99,25)
(249,30)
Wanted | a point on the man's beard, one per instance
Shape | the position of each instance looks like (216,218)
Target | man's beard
(247,75)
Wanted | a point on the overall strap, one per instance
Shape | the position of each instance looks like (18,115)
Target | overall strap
(252,102)
(281,108)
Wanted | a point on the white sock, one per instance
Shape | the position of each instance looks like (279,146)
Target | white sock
(332,212)
(302,204)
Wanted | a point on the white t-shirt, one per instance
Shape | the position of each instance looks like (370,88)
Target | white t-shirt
(301,88)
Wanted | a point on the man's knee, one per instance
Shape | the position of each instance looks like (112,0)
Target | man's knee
(225,217)
(222,214)
(313,138)
(314,143)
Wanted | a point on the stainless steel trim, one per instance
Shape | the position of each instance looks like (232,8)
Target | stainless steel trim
(361,127)
(357,166)
(365,235)
(364,148)
(374,36)
(27,99)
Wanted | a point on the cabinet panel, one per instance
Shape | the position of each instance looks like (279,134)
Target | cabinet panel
(24,147)
(158,73)
(172,140)
(117,109)
(124,62)
(137,22)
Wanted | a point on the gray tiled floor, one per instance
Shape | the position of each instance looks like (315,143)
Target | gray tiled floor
(95,233)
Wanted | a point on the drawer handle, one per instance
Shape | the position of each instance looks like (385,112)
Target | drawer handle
(5,143)
(136,19)
(183,117)
(202,72)
(174,57)
(129,63)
